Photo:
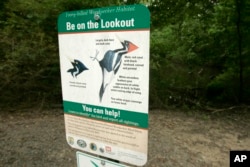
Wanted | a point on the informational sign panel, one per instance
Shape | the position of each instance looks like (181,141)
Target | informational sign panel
(104,60)
(85,160)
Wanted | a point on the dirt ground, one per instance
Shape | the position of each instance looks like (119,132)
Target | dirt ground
(36,138)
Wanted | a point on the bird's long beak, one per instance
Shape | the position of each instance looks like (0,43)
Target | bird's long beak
(119,38)
(132,47)
(70,59)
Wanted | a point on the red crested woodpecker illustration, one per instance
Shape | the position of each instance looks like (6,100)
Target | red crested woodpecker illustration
(111,62)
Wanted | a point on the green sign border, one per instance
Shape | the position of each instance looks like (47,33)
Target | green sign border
(124,117)
(138,15)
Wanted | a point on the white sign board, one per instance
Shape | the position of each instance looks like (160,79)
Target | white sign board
(104,59)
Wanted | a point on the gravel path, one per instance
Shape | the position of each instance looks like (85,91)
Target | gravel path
(33,138)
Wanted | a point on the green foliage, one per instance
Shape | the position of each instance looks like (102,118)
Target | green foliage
(28,51)
(220,89)
(197,54)
(29,64)
(229,29)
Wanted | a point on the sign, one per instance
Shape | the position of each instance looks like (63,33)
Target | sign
(104,61)
(85,160)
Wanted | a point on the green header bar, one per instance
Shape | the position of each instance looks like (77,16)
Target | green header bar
(129,17)
(123,117)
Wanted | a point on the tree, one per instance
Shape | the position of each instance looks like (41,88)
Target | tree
(231,34)
(29,65)
(209,42)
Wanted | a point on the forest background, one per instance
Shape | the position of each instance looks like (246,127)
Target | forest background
(199,53)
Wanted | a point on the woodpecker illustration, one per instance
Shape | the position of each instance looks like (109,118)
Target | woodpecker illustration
(78,68)
(111,62)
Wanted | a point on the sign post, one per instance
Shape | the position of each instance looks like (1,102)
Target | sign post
(104,61)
